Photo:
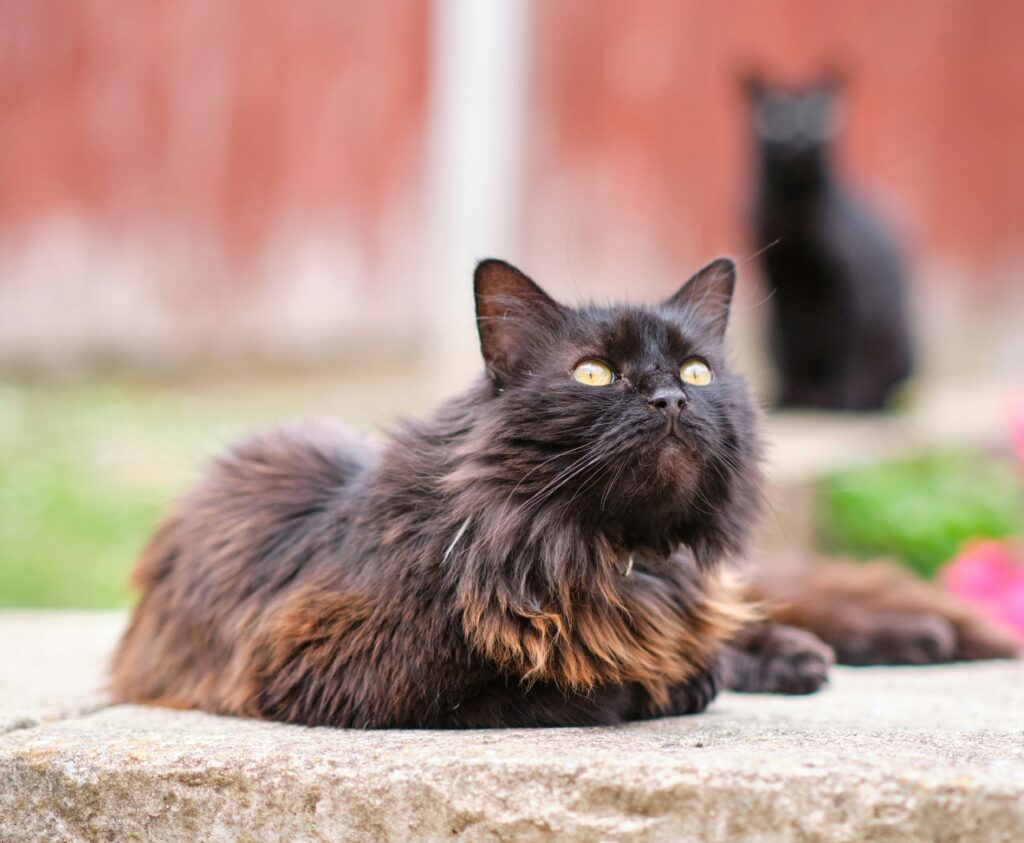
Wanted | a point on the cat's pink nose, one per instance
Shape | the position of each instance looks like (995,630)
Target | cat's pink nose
(670,400)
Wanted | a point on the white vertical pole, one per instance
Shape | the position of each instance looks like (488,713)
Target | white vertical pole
(477,113)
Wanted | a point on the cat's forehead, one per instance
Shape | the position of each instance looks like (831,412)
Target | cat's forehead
(636,332)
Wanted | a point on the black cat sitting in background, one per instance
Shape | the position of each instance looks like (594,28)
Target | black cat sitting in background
(839,334)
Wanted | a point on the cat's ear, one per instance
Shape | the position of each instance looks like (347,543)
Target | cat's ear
(708,295)
(509,309)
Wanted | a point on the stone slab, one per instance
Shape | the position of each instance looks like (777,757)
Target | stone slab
(885,754)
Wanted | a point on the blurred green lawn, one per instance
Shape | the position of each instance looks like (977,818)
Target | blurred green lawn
(86,469)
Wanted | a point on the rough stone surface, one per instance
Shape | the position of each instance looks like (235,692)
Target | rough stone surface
(906,754)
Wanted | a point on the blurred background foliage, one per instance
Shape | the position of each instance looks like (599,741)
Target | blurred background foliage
(93,466)
(921,510)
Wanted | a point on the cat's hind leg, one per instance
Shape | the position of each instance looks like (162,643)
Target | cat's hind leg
(878,613)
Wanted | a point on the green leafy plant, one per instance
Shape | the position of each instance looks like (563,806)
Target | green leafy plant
(921,510)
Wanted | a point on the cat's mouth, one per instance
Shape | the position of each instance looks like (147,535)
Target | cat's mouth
(673,431)
(674,457)
(674,436)
(677,437)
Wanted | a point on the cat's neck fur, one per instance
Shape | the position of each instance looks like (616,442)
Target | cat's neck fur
(792,187)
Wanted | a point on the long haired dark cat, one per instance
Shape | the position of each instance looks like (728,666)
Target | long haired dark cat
(839,332)
(546,549)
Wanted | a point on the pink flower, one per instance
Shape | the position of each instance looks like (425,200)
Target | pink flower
(987,574)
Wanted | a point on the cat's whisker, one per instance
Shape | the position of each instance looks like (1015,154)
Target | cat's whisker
(539,496)
(455,541)
(560,480)
(760,251)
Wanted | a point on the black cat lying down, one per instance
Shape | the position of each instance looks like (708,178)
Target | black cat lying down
(547,549)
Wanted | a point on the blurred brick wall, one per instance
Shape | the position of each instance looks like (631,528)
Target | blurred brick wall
(182,177)
(179,173)
(641,152)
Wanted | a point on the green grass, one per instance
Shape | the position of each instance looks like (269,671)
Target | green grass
(921,510)
(86,469)
(84,474)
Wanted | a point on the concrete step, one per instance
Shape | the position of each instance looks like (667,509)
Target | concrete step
(907,754)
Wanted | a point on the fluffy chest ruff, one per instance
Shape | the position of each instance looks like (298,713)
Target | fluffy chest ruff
(655,623)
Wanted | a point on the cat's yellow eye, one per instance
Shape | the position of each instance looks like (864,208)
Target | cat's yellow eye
(593,373)
(695,372)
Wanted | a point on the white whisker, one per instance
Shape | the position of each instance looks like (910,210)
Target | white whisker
(455,541)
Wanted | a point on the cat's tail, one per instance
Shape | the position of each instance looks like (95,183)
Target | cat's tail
(877,613)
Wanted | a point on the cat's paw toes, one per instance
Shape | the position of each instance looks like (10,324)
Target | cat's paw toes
(696,694)
(779,660)
(797,663)
(899,639)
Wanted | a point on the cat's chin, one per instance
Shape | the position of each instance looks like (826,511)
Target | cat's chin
(675,459)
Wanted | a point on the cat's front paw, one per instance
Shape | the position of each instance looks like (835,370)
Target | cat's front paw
(695,694)
(778,660)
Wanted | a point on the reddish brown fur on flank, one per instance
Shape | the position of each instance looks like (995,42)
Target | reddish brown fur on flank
(635,634)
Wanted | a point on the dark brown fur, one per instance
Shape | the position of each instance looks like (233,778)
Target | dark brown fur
(266,631)
(538,552)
